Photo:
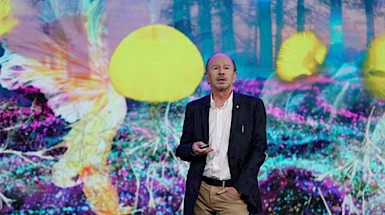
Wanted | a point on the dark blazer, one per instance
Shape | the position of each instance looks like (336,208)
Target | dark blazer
(246,151)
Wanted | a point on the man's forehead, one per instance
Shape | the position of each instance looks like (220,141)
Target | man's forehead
(220,57)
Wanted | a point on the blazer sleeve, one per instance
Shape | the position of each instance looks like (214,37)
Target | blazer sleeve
(248,175)
(184,150)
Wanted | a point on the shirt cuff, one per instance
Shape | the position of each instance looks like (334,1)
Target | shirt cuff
(192,153)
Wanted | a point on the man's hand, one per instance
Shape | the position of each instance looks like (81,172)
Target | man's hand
(201,151)
(231,191)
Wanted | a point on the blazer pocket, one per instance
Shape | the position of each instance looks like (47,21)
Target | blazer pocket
(245,132)
(245,128)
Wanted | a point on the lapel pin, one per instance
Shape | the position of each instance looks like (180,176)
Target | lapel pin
(237,106)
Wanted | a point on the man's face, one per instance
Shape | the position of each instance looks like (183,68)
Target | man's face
(220,72)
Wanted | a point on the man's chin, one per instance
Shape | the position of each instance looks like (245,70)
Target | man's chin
(222,88)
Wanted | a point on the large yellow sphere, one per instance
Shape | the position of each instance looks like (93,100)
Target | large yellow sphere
(7,20)
(156,63)
(374,67)
(300,55)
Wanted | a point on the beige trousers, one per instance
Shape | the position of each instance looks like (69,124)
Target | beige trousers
(209,202)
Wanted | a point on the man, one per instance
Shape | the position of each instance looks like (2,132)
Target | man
(224,138)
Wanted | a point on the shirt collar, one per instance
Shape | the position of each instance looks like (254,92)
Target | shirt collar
(229,101)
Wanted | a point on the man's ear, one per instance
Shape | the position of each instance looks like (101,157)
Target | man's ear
(207,79)
(235,74)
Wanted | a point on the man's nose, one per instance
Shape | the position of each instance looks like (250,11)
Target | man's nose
(221,70)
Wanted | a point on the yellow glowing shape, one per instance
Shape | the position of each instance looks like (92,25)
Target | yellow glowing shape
(300,55)
(374,67)
(7,21)
(156,63)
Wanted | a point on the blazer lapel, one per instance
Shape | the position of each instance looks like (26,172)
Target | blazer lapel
(236,114)
(205,108)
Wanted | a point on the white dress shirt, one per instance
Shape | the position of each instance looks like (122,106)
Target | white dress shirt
(217,164)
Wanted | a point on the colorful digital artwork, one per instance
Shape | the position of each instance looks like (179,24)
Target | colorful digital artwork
(93,94)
